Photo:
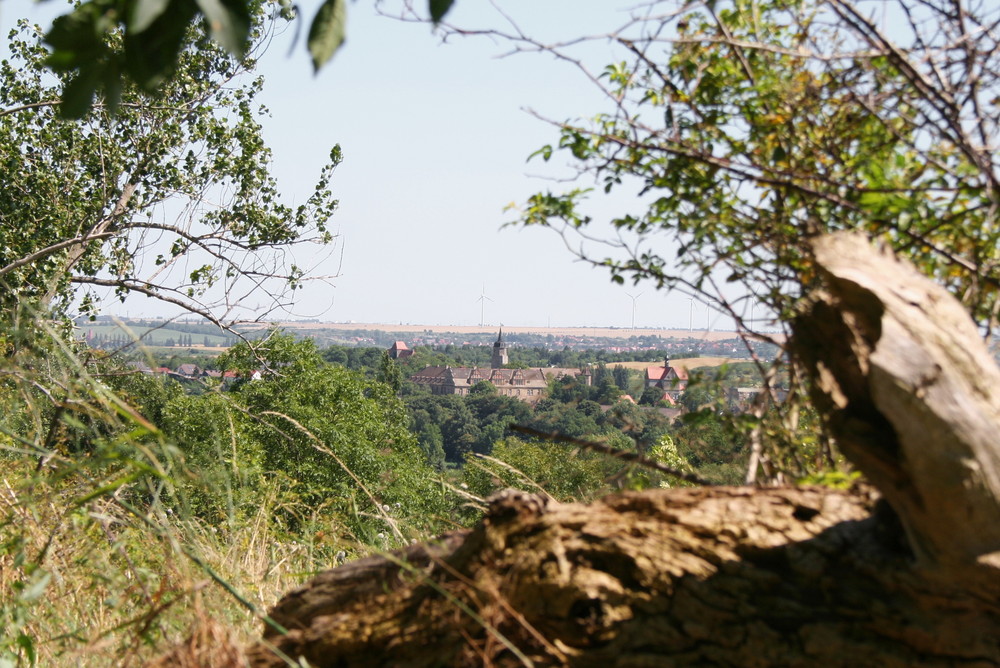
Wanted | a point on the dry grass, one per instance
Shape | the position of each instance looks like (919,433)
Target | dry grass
(105,589)
(210,645)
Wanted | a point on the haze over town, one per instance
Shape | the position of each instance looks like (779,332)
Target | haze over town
(434,168)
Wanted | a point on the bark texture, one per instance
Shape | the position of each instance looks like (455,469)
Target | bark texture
(729,576)
(734,577)
(911,395)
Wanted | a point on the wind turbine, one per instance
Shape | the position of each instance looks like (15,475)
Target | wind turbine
(482,306)
(634,298)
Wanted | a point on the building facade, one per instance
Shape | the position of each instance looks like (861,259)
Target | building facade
(400,350)
(669,380)
(528,385)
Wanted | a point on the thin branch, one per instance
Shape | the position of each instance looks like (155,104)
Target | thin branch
(54,248)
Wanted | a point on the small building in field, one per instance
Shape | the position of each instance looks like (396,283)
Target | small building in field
(189,370)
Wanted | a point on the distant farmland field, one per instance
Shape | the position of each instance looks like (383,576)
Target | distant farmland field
(591,332)
(148,336)
(685,363)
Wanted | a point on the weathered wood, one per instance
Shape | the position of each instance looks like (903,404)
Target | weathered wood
(911,395)
(730,576)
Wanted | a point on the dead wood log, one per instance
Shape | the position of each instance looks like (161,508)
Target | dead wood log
(912,396)
(729,576)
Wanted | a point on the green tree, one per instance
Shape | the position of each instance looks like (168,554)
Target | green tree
(482,388)
(449,416)
(494,413)
(622,377)
(575,418)
(429,437)
(336,355)
(713,447)
(755,127)
(341,439)
(651,396)
(561,471)
(86,203)
(389,373)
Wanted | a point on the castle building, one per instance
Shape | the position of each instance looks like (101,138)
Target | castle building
(528,385)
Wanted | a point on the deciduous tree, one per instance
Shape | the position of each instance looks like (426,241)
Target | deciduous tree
(742,130)
(170,199)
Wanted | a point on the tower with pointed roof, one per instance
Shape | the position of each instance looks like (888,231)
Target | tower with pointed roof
(499,358)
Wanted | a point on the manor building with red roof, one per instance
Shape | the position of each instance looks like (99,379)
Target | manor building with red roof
(670,380)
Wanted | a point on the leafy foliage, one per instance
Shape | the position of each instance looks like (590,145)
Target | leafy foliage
(559,470)
(341,441)
(172,200)
(124,495)
(748,127)
(108,45)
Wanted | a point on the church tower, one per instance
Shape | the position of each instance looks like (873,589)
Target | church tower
(499,352)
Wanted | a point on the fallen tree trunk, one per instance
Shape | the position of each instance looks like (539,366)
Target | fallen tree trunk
(724,576)
(700,577)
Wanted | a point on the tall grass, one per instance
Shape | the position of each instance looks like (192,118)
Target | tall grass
(99,562)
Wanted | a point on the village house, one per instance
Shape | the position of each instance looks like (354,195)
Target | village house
(400,350)
(672,381)
(189,370)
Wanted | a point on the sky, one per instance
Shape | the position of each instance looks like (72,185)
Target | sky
(435,138)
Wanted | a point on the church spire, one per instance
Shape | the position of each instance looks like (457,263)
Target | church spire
(499,358)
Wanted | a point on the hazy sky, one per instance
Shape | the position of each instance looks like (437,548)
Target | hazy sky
(435,138)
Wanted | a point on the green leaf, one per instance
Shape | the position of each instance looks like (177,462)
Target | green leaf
(439,8)
(545,152)
(78,96)
(144,12)
(72,32)
(327,32)
(112,84)
(27,645)
(35,590)
(151,57)
(229,22)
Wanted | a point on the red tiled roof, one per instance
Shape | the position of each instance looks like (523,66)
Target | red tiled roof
(663,372)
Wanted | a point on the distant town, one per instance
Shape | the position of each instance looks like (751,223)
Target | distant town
(110,332)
